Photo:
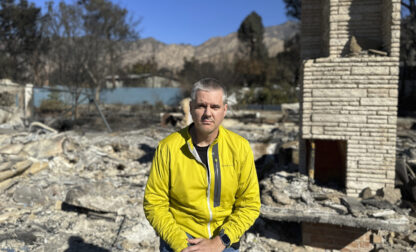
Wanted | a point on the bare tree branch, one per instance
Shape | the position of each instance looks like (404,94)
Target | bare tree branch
(405,5)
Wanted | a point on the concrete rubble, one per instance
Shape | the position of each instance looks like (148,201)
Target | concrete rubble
(72,191)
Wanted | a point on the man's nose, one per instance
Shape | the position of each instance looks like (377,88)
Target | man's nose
(207,111)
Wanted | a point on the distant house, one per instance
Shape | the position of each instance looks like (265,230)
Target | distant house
(140,80)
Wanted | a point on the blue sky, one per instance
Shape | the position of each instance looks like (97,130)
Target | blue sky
(195,21)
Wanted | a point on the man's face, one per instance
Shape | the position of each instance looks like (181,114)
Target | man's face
(208,111)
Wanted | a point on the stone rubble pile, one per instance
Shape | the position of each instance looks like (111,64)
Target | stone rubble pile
(66,192)
(74,191)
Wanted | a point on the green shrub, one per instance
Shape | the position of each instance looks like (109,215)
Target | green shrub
(269,95)
(51,106)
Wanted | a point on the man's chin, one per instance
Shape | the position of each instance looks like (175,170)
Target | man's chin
(206,128)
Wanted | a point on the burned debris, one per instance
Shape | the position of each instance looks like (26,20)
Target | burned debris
(341,178)
(71,189)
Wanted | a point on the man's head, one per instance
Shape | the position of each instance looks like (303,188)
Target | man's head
(208,105)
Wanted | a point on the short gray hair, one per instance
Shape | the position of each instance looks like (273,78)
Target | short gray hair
(208,84)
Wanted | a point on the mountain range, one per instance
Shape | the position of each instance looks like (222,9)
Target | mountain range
(216,49)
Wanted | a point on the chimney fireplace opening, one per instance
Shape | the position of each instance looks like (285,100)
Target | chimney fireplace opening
(329,162)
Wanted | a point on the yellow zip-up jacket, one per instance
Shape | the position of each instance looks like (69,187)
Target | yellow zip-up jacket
(183,196)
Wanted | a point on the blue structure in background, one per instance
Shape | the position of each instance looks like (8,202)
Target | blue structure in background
(124,95)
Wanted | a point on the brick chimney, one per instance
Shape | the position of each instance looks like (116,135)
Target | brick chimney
(349,91)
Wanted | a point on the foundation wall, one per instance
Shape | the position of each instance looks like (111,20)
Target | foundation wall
(326,236)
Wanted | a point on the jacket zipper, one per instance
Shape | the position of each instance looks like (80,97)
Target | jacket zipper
(209,195)
(195,154)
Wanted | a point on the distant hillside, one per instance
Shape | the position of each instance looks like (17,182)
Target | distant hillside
(213,50)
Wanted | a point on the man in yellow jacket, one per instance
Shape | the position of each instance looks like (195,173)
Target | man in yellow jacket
(202,193)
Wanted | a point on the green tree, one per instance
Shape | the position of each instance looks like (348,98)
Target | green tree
(293,8)
(22,41)
(251,61)
(149,66)
(250,35)
(273,80)
(193,70)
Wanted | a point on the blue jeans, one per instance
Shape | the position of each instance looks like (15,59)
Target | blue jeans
(164,247)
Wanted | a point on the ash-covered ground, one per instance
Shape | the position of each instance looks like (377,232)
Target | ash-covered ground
(80,188)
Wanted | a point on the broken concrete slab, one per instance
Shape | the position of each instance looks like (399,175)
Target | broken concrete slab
(354,206)
(392,195)
(316,215)
(99,196)
(11,149)
(281,198)
(30,195)
(15,169)
(45,148)
(123,160)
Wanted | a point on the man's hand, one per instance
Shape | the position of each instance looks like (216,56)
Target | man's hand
(202,244)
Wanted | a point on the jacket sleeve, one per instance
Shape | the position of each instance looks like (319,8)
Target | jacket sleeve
(156,202)
(247,204)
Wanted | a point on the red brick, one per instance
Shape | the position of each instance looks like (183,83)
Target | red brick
(365,244)
(377,239)
(343,238)
(354,244)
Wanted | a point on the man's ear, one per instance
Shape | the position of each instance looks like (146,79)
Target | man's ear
(225,108)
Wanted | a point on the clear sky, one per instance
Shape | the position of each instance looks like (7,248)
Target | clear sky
(195,21)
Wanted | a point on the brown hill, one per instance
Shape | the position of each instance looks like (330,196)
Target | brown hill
(213,50)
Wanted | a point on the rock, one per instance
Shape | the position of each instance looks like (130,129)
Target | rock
(5,166)
(11,149)
(35,168)
(376,238)
(15,170)
(281,198)
(378,203)
(383,213)
(354,47)
(366,193)
(12,215)
(412,237)
(354,206)
(99,196)
(46,148)
(187,118)
(307,197)
(392,195)
(30,195)
(267,200)
(343,210)
(139,233)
